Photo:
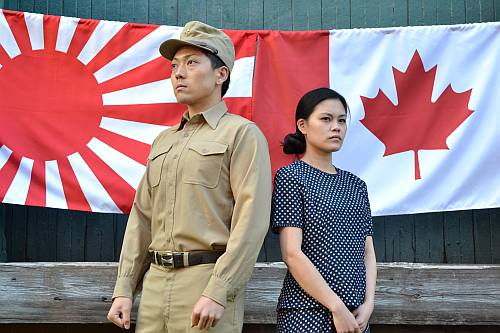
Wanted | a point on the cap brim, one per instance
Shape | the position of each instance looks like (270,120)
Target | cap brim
(169,47)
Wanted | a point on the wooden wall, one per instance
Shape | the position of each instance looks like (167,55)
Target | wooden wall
(40,234)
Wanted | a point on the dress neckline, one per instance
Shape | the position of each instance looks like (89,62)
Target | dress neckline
(319,170)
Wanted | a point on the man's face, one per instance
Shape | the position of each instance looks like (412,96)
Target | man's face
(193,78)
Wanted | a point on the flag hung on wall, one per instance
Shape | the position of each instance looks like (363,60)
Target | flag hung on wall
(82,100)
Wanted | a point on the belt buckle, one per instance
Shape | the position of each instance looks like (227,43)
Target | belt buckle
(167,262)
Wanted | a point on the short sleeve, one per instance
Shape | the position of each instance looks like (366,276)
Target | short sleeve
(368,222)
(287,203)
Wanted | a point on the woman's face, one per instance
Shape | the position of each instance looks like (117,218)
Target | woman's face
(326,126)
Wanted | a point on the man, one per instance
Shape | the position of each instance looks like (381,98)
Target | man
(201,210)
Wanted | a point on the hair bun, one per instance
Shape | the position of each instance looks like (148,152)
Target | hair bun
(294,143)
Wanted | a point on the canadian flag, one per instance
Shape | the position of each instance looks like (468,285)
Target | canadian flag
(424,131)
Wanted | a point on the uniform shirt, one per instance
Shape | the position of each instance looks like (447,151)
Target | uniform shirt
(334,214)
(207,185)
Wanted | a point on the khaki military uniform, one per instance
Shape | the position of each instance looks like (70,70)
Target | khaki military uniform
(207,186)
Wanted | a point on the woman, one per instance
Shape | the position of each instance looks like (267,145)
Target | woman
(323,217)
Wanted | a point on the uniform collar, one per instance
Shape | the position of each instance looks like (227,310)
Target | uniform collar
(212,116)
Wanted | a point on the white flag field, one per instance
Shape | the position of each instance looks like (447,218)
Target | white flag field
(424,129)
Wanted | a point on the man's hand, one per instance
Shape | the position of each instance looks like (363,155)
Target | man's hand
(362,314)
(120,310)
(206,313)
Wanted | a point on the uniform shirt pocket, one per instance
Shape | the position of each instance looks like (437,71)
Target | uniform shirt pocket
(156,161)
(203,163)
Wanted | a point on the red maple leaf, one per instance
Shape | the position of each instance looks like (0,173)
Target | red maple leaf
(415,123)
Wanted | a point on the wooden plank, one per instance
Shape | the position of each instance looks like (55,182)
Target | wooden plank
(408,294)
(112,10)
(99,236)
(443,11)
(83,8)
(472,11)
(41,228)
(482,238)
(3,240)
(429,12)
(487,11)
(272,245)
(199,10)
(336,14)
(399,238)
(69,8)
(214,13)
(242,15)
(228,15)
(495,234)
(70,235)
(98,9)
(358,14)
(127,11)
(120,224)
(55,7)
(452,244)
(184,12)
(379,238)
(141,11)
(285,18)
(40,7)
(157,12)
(271,11)
(306,15)
(26,5)
(17,224)
(429,238)
(11,4)
(497,10)
(256,15)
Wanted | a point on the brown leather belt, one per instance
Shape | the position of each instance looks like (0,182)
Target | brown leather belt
(172,259)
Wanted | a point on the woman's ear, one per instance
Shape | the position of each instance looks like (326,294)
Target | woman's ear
(301,125)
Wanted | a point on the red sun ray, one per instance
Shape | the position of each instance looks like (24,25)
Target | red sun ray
(7,174)
(155,70)
(19,29)
(128,35)
(240,105)
(4,57)
(72,191)
(136,150)
(50,31)
(158,114)
(118,189)
(241,42)
(36,192)
(83,31)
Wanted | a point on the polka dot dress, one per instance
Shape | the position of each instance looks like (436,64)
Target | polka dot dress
(333,212)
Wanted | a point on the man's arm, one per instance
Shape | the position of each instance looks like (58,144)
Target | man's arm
(133,258)
(250,179)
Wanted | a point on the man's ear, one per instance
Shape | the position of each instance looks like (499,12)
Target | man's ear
(222,74)
(301,125)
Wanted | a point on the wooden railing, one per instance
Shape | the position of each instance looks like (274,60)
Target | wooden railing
(407,294)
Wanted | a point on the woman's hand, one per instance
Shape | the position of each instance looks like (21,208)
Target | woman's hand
(363,314)
(344,321)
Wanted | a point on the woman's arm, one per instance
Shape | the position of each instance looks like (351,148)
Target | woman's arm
(364,311)
(311,280)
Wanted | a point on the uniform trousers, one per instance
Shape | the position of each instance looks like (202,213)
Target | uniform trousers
(168,298)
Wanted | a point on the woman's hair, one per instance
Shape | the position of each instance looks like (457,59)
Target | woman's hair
(295,143)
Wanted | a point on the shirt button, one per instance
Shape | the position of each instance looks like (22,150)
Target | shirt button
(175,156)
(186,135)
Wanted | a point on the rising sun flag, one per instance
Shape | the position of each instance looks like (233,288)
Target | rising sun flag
(82,101)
